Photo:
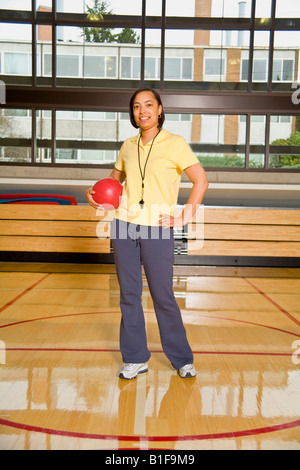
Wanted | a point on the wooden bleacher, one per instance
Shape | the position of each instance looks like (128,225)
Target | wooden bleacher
(51,228)
(245,232)
(239,232)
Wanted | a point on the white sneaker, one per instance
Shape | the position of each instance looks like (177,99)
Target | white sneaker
(131,371)
(187,371)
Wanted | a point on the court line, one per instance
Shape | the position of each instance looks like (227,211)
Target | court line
(4,307)
(118,312)
(55,316)
(152,351)
(198,437)
(272,301)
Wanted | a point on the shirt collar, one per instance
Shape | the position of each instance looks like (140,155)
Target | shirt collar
(161,136)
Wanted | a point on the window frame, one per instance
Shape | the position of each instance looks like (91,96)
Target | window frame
(275,98)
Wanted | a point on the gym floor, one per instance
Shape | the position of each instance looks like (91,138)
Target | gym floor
(60,358)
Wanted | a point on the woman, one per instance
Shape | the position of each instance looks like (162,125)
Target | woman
(142,232)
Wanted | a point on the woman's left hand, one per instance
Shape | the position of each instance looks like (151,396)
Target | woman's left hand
(167,221)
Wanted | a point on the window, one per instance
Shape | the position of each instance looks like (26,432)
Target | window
(287,9)
(43,136)
(115,7)
(15,123)
(16,63)
(261,57)
(257,141)
(16,5)
(16,53)
(214,67)
(285,59)
(130,67)
(178,68)
(260,70)
(284,142)
(218,140)
(67,66)
(283,70)
(100,67)
(215,8)
(172,69)
(199,49)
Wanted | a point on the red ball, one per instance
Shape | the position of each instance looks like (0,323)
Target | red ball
(108,193)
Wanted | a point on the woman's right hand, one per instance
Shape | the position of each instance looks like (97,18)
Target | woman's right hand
(89,197)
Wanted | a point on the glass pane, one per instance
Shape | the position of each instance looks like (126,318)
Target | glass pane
(43,136)
(44,54)
(15,126)
(209,8)
(287,9)
(217,140)
(263,9)
(15,53)
(257,141)
(261,60)
(15,154)
(154,8)
(16,63)
(114,7)
(16,123)
(16,4)
(44,5)
(130,59)
(96,55)
(152,54)
(97,156)
(186,8)
(285,59)
(99,126)
(214,59)
(284,142)
(79,135)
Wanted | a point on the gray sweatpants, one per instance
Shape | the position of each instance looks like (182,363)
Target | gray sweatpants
(153,247)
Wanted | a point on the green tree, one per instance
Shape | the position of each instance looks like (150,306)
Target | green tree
(128,36)
(105,34)
(95,13)
(286,161)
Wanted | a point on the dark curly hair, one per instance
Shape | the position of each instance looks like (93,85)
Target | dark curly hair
(161,118)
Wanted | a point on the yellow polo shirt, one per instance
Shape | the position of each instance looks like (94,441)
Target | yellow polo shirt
(170,155)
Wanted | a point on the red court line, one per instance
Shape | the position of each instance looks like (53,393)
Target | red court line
(152,351)
(53,317)
(223,435)
(118,312)
(250,323)
(4,307)
(272,302)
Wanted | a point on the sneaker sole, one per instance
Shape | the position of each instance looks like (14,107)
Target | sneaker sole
(122,376)
(187,376)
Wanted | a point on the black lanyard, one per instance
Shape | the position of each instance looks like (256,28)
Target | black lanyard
(141,203)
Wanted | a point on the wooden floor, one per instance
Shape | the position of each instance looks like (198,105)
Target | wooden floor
(59,362)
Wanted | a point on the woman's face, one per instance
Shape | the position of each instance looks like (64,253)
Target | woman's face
(146,110)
